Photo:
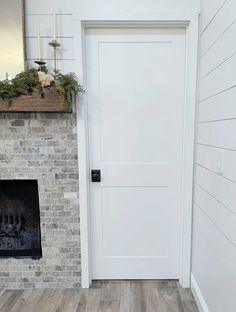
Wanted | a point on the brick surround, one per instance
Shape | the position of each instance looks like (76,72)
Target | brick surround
(44,147)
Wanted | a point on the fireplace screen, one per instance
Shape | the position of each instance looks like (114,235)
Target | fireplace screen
(19,219)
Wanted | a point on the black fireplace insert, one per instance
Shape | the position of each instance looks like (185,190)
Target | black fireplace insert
(19,219)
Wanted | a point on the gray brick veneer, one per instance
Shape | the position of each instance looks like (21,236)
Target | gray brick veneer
(44,147)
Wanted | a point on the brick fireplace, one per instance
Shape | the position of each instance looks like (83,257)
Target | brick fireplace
(43,147)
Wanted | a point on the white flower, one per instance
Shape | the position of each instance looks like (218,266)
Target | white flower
(45,79)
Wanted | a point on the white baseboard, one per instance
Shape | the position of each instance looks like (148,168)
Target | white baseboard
(201,303)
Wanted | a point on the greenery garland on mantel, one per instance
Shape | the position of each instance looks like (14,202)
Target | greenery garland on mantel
(34,80)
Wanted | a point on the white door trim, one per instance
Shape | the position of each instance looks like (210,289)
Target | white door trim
(189,20)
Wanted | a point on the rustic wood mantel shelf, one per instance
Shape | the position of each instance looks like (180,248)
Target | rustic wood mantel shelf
(51,102)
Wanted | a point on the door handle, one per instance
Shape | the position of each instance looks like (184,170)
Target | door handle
(96,175)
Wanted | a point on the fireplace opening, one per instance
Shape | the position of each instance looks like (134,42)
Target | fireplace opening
(19,219)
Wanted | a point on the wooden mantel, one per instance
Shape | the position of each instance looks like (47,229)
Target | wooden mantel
(51,102)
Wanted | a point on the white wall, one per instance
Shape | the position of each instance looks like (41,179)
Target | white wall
(160,5)
(41,12)
(70,6)
(214,234)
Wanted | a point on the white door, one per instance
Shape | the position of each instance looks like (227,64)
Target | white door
(135,89)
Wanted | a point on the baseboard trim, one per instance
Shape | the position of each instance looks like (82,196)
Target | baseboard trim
(201,303)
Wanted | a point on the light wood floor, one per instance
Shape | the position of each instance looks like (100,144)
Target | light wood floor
(124,296)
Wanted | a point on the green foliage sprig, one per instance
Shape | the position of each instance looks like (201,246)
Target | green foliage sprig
(27,82)
(67,86)
(24,83)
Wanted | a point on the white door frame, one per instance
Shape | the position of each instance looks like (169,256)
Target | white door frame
(84,19)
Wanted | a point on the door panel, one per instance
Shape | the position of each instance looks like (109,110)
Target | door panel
(135,91)
(120,216)
(139,174)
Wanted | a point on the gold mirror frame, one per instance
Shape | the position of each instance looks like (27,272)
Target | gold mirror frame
(12,36)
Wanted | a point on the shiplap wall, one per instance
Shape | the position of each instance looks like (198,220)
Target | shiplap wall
(214,221)
(41,14)
(160,5)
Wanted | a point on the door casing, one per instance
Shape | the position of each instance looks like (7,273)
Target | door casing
(83,20)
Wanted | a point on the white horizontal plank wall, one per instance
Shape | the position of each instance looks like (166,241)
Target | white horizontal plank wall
(40,14)
(214,221)
(140,5)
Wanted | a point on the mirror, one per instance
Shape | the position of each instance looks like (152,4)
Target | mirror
(12,58)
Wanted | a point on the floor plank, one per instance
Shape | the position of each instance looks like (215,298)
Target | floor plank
(9,299)
(24,307)
(69,301)
(109,306)
(83,300)
(93,300)
(32,295)
(170,300)
(111,291)
(2,290)
(151,294)
(137,300)
(185,293)
(110,297)
(125,297)
(190,306)
(103,296)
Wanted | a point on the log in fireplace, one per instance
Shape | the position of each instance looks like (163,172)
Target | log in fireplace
(19,219)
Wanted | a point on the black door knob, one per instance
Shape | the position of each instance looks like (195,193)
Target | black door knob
(96,175)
